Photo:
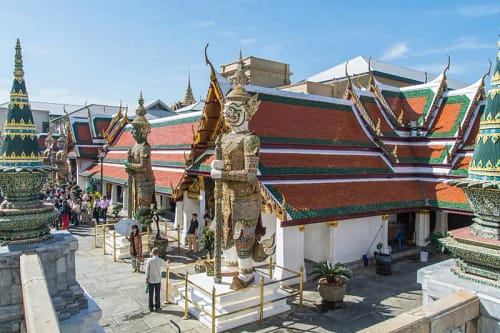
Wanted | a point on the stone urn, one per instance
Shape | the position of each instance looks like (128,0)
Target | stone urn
(331,292)
(384,263)
(161,244)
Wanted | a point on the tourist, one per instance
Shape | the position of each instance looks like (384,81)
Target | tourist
(76,212)
(154,267)
(103,206)
(193,233)
(96,209)
(65,211)
(84,212)
(135,248)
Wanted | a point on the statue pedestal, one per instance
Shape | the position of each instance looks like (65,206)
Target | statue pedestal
(239,300)
(161,244)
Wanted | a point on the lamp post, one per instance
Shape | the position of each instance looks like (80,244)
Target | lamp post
(101,156)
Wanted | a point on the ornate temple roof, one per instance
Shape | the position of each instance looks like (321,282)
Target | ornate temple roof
(19,138)
(170,139)
(361,65)
(325,158)
(353,157)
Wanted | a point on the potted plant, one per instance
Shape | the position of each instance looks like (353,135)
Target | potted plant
(383,261)
(332,280)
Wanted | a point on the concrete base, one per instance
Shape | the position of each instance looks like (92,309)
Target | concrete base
(438,281)
(87,321)
(232,302)
(57,257)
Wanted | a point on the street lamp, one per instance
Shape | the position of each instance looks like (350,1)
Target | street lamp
(101,156)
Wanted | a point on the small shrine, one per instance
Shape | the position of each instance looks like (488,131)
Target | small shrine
(477,247)
(24,218)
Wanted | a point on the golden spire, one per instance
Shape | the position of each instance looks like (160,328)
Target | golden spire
(188,96)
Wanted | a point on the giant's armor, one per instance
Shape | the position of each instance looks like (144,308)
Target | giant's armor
(240,194)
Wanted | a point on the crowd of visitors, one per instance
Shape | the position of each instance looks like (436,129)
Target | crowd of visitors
(75,208)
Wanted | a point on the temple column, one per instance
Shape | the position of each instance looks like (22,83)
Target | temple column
(113,195)
(179,212)
(441,222)
(190,206)
(291,239)
(385,234)
(125,198)
(333,253)
(422,226)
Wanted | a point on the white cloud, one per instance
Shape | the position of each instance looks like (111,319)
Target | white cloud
(396,50)
(463,43)
(479,10)
(204,24)
(248,41)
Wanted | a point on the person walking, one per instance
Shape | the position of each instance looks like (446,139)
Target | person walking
(154,267)
(135,239)
(96,209)
(104,205)
(193,233)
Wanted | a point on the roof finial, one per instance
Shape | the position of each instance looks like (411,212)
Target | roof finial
(487,73)
(448,65)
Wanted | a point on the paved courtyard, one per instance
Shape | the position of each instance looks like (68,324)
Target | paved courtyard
(370,298)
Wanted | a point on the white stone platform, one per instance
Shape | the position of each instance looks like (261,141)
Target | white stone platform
(232,302)
(123,246)
(438,281)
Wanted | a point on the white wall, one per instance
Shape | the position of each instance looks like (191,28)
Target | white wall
(316,242)
(289,251)
(354,236)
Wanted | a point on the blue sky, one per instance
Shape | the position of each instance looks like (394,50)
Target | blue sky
(105,51)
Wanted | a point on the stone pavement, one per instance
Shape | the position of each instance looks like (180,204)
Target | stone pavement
(370,298)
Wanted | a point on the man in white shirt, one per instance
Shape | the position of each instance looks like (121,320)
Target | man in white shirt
(104,205)
(154,267)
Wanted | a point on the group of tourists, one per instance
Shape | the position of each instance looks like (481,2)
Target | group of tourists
(75,209)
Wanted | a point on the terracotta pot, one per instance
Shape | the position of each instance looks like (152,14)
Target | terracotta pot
(331,292)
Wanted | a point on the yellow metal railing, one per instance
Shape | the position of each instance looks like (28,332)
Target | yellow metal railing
(184,279)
